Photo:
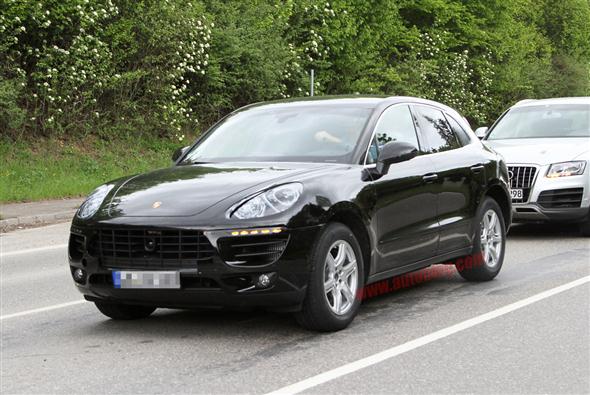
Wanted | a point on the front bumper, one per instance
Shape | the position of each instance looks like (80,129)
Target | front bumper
(541,206)
(535,213)
(213,284)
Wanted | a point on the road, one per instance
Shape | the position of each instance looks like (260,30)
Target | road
(528,331)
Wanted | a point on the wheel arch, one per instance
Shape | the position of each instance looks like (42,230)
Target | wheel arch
(350,215)
(501,196)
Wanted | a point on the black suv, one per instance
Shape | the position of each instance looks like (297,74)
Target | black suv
(296,206)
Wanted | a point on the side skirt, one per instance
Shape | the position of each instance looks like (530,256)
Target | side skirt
(419,265)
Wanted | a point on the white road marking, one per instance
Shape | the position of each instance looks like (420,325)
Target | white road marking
(421,341)
(33,250)
(41,310)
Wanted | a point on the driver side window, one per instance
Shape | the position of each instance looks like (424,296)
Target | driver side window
(395,124)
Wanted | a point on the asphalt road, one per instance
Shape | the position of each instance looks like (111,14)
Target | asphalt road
(528,331)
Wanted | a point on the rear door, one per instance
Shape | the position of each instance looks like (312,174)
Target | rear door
(407,227)
(460,175)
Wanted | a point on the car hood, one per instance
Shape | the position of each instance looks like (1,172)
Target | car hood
(191,189)
(542,151)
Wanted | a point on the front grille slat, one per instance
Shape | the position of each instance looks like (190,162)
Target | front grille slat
(522,177)
(257,244)
(140,248)
(253,250)
(76,246)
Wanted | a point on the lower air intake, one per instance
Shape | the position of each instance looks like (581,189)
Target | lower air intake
(253,250)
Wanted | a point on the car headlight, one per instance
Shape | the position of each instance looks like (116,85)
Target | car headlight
(565,169)
(93,201)
(269,202)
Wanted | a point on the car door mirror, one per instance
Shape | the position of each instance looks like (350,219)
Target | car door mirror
(481,132)
(394,152)
(178,153)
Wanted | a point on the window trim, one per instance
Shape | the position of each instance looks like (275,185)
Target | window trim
(425,138)
(409,106)
(447,115)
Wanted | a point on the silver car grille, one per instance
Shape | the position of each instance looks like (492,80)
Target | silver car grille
(522,177)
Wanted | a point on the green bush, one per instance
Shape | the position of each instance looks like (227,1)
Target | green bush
(169,68)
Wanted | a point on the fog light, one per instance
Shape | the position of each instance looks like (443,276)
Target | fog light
(265,280)
(80,276)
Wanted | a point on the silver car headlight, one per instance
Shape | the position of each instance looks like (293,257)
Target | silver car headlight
(269,202)
(566,169)
(93,201)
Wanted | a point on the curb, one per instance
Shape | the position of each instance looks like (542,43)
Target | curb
(6,225)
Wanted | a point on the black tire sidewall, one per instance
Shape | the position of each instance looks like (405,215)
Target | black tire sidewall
(315,294)
(483,269)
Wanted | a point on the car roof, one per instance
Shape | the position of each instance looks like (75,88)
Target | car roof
(366,101)
(557,100)
(371,102)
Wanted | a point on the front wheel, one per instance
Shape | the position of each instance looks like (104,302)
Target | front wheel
(337,275)
(490,243)
(118,311)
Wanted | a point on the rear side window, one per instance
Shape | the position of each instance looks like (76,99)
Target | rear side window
(435,129)
(458,130)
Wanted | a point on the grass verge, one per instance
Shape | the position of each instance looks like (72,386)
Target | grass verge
(51,168)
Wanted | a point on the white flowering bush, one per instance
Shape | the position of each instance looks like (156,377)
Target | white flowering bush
(56,50)
(454,78)
(172,67)
(174,64)
(93,66)
(306,24)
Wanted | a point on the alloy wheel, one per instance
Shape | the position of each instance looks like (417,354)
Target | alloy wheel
(491,238)
(340,277)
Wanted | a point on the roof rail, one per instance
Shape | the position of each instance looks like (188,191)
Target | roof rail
(524,101)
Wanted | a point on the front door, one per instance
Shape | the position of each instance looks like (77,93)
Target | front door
(406,207)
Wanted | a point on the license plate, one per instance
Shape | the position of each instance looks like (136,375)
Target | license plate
(146,279)
(516,194)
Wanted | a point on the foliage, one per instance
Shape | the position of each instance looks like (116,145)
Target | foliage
(141,69)
(54,168)
(170,68)
(91,66)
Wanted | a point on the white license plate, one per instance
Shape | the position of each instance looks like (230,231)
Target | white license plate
(516,194)
(146,279)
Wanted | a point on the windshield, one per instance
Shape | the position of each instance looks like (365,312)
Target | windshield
(284,134)
(564,120)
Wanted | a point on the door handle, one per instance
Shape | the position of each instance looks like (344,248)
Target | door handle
(477,168)
(430,177)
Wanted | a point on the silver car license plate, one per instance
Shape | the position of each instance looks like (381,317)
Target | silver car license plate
(146,279)
(516,194)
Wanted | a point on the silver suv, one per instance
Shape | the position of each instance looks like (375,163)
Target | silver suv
(546,145)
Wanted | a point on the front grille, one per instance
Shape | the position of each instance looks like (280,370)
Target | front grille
(522,177)
(153,248)
(561,198)
(253,250)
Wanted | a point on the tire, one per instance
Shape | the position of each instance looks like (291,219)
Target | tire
(319,311)
(118,311)
(486,261)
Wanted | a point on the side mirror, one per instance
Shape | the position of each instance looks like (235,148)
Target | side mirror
(178,153)
(394,152)
(481,132)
